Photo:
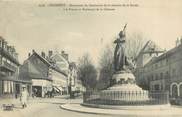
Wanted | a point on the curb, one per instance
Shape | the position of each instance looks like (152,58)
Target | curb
(82,111)
(142,107)
(125,113)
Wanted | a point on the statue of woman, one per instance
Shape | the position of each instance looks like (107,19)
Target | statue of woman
(120,59)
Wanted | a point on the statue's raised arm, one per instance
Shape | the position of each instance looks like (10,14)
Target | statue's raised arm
(124,28)
(122,32)
(120,59)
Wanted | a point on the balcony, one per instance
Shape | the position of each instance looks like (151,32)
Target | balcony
(8,55)
(2,73)
(7,67)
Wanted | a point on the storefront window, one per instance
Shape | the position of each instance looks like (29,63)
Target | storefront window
(5,86)
(156,87)
(8,87)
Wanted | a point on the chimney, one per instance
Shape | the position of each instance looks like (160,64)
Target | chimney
(1,42)
(5,45)
(64,55)
(33,51)
(177,42)
(8,48)
(29,54)
(13,50)
(50,53)
(43,54)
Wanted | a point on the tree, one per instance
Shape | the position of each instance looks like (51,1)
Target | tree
(134,43)
(106,67)
(87,72)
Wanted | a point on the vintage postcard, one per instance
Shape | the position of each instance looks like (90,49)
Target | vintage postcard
(90,58)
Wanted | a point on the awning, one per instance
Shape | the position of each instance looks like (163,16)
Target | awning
(56,89)
(11,78)
(60,88)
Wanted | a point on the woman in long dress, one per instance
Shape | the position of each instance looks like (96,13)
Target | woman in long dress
(120,59)
(24,97)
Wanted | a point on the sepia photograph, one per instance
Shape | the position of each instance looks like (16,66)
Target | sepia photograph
(90,58)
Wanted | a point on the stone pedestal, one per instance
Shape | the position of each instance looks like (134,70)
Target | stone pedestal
(125,89)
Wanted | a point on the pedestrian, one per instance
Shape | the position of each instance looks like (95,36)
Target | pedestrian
(24,97)
(45,93)
(52,92)
(34,93)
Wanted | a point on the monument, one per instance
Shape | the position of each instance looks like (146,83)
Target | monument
(124,91)
(123,79)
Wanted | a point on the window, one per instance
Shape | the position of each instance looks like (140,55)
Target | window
(156,87)
(8,87)
(174,72)
(152,77)
(0,59)
(152,66)
(156,77)
(1,41)
(156,65)
(166,74)
(161,63)
(161,75)
(167,61)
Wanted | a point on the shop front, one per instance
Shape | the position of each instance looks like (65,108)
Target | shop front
(40,87)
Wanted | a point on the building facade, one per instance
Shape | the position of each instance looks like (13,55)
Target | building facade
(59,61)
(59,81)
(60,68)
(147,53)
(10,83)
(164,72)
(48,73)
(36,68)
(74,83)
(64,72)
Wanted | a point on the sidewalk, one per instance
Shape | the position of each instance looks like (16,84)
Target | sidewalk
(9,101)
(31,109)
(33,105)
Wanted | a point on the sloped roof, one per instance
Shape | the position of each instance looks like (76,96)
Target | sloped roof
(23,71)
(58,70)
(34,72)
(165,55)
(33,69)
(59,57)
(41,58)
(60,60)
(30,70)
(150,47)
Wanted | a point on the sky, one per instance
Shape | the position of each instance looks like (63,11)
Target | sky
(27,26)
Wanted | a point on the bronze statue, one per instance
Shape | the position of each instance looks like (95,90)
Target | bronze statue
(120,59)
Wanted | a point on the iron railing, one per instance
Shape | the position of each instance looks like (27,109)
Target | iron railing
(8,66)
(153,98)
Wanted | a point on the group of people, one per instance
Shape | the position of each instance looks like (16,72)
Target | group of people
(36,93)
(24,95)
(46,93)
(49,93)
